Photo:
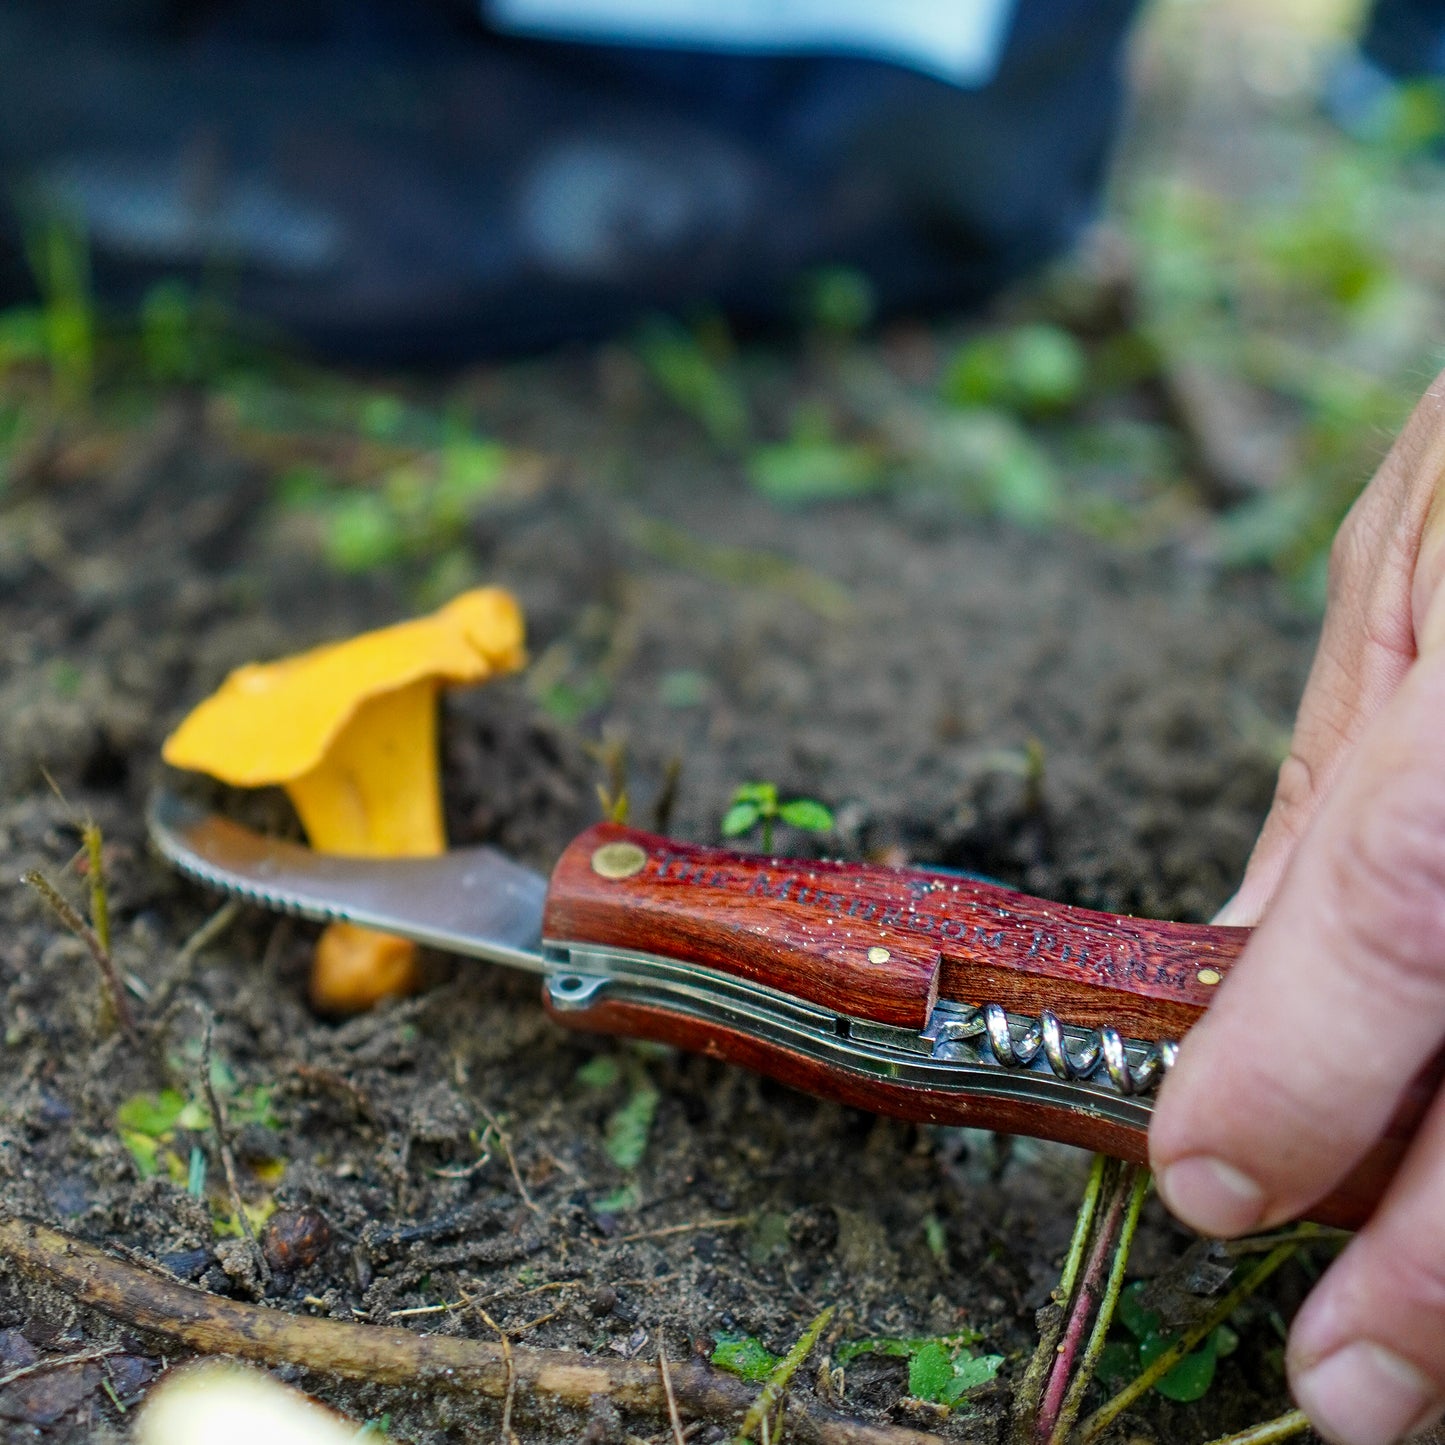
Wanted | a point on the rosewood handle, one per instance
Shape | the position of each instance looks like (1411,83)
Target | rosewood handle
(884,944)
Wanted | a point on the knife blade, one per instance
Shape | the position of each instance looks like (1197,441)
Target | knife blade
(928,996)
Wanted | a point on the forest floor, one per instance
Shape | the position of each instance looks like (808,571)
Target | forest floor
(1119,582)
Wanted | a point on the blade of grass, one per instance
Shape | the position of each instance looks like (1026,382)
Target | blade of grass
(772,1392)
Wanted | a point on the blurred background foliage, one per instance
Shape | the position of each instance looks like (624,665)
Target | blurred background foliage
(1218,369)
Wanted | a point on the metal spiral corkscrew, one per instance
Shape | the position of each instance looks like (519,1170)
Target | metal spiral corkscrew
(1102,1049)
(1132,1066)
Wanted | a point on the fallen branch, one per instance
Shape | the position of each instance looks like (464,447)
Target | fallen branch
(386,1355)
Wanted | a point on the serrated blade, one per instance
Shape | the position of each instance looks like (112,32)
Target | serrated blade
(473,901)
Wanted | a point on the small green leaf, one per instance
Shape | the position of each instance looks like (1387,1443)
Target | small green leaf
(620,1201)
(144,1150)
(930,1371)
(1118,1363)
(745,1355)
(765,795)
(806,814)
(361,533)
(935,1237)
(151,1114)
(685,687)
(1031,369)
(900,1345)
(1140,1323)
(601,1072)
(1191,1378)
(797,472)
(969,1373)
(628,1128)
(739,818)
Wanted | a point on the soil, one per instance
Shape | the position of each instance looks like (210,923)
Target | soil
(897,656)
(896,663)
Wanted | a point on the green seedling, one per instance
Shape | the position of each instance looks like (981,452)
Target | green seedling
(629,1125)
(691,374)
(765,1415)
(997,468)
(59,254)
(756,805)
(837,301)
(800,471)
(814,465)
(941,1368)
(152,1129)
(1189,1380)
(418,512)
(1029,370)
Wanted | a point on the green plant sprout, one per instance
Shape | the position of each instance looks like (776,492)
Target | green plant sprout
(756,805)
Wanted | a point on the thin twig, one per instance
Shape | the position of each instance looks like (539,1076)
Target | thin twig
(1095,1425)
(1136,1178)
(673,1418)
(505,1140)
(58,1362)
(1282,1427)
(228,1162)
(110,976)
(738,1221)
(385,1355)
(509,1436)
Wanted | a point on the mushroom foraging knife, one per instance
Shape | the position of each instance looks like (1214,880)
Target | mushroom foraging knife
(928,996)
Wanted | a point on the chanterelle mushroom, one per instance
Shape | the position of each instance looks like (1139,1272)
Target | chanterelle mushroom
(349,730)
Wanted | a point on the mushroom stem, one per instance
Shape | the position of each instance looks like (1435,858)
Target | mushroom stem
(375,792)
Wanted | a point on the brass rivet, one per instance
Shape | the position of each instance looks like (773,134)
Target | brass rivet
(618,860)
(878,954)
(1209,976)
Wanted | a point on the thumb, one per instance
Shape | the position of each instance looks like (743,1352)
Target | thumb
(1384,579)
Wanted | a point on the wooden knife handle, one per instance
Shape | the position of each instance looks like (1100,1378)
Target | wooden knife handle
(884,944)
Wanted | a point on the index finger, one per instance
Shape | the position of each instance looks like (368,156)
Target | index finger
(1337,1001)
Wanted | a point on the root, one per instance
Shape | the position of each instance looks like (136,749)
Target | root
(385,1355)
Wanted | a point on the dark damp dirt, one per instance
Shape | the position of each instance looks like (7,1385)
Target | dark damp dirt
(897,666)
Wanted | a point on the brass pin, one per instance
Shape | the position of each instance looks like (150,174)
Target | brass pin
(618,860)
(1209,976)
(878,954)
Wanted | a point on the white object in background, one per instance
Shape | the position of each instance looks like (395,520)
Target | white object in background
(225,1404)
(955,40)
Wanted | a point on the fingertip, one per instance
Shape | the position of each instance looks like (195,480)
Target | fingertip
(1212,1196)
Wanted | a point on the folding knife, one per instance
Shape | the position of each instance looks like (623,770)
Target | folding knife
(929,996)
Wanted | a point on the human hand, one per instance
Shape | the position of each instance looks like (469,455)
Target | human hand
(1338,1000)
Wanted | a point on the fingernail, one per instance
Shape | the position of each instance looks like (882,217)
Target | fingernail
(1212,1196)
(1232,914)
(1364,1395)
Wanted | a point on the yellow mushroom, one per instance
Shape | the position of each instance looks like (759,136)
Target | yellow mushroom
(349,730)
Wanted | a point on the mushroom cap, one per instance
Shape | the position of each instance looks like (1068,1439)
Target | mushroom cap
(272,722)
